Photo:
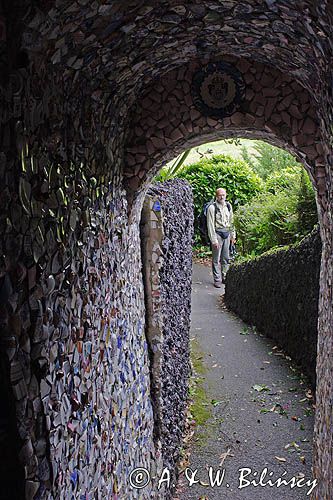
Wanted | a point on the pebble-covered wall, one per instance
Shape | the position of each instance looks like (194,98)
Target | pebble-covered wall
(278,293)
(167,234)
(73,80)
(274,107)
(176,279)
(73,329)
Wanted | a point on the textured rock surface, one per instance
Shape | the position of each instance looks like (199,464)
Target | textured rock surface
(166,235)
(175,278)
(274,108)
(278,293)
(76,81)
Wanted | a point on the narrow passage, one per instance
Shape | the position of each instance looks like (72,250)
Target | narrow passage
(253,407)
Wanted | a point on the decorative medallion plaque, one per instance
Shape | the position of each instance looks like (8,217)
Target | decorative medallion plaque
(217,89)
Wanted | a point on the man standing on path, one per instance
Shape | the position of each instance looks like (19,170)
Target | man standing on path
(221,233)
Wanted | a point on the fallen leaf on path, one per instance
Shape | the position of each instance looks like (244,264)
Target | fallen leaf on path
(214,402)
(265,410)
(260,388)
(224,455)
(293,444)
(281,459)
(281,409)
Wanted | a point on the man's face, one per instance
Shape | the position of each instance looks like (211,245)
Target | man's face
(221,195)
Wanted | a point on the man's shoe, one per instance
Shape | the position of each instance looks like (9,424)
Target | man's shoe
(217,284)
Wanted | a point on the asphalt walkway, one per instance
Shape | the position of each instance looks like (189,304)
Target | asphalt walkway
(259,411)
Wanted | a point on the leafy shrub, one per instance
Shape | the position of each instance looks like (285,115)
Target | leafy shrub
(281,215)
(241,183)
(286,178)
(307,215)
(268,221)
(268,159)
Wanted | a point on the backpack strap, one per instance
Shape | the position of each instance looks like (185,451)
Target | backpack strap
(215,212)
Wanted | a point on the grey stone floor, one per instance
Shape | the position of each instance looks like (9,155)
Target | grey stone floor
(243,423)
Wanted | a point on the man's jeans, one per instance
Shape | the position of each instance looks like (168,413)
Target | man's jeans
(220,258)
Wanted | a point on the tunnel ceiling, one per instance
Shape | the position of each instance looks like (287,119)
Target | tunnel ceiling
(123,45)
(73,79)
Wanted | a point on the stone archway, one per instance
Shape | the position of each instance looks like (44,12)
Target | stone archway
(71,76)
(275,108)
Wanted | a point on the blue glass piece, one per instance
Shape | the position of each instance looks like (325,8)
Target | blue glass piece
(157,206)
(74,477)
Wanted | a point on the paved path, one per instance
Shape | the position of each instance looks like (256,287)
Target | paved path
(241,420)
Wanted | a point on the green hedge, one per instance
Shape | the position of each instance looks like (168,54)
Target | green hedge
(241,183)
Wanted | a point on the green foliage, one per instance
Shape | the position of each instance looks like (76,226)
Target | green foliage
(270,191)
(306,207)
(201,251)
(248,158)
(171,172)
(208,174)
(283,179)
(267,222)
(269,159)
(281,215)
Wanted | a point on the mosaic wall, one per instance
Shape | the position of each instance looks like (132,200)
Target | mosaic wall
(167,233)
(73,82)
(72,306)
(74,331)
(174,116)
(175,288)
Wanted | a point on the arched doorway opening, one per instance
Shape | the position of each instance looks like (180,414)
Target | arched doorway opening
(88,65)
(274,108)
(205,328)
